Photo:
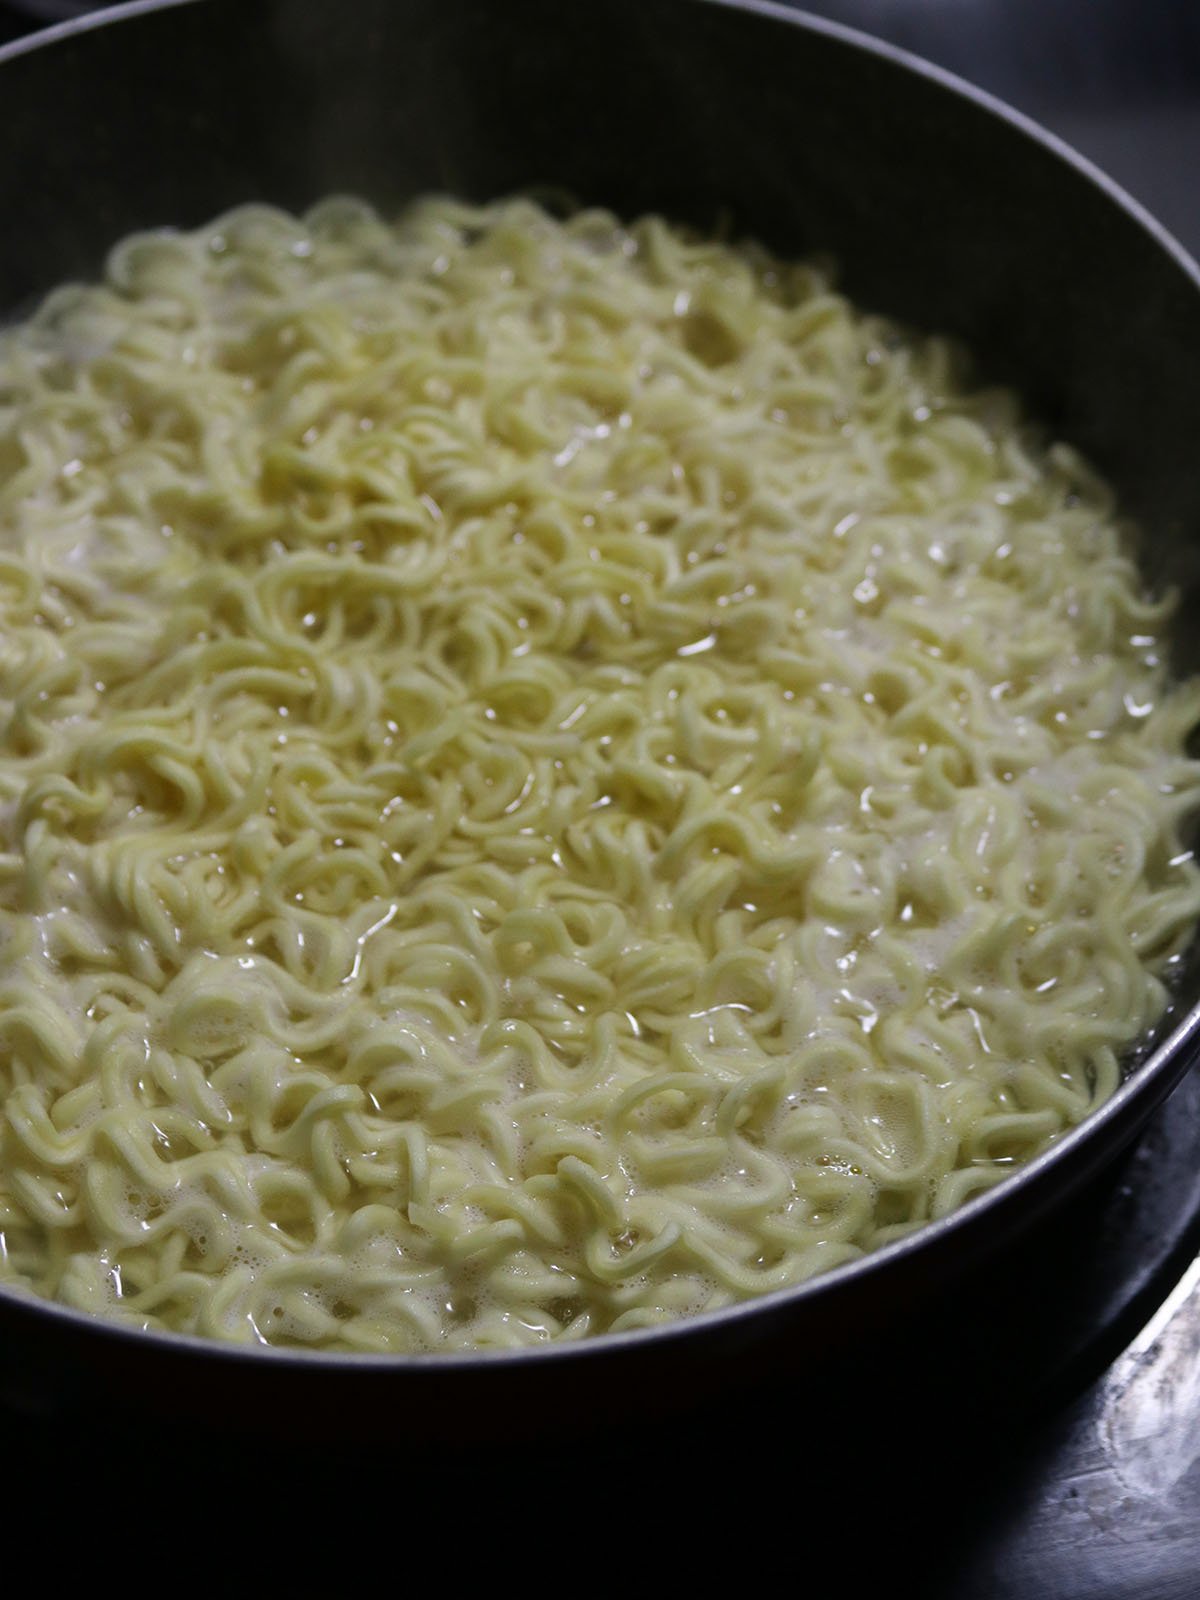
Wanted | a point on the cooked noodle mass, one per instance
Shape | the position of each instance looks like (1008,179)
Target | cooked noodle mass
(554,776)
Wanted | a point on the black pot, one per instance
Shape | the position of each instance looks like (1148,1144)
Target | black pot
(946,210)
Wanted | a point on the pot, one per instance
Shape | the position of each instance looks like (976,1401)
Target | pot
(946,210)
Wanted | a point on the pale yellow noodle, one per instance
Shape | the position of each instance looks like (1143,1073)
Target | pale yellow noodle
(554,775)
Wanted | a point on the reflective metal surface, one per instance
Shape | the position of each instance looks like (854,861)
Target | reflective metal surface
(1110,1507)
